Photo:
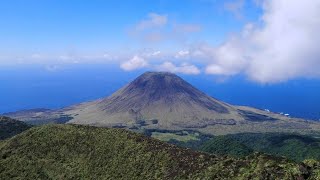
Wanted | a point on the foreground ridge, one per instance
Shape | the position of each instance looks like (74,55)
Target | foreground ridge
(83,152)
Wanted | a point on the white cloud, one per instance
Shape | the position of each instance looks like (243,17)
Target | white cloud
(52,68)
(182,54)
(76,58)
(159,28)
(36,56)
(216,69)
(151,28)
(154,21)
(154,37)
(187,28)
(149,54)
(184,68)
(152,54)
(228,59)
(235,7)
(134,63)
(155,53)
(283,46)
(66,57)
(108,56)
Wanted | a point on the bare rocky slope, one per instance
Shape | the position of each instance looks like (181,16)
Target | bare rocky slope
(161,100)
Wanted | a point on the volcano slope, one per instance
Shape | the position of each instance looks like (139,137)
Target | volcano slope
(85,152)
(161,100)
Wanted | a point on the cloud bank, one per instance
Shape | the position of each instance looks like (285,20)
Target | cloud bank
(184,68)
(134,63)
(283,46)
(153,21)
(159,28)
(139,62)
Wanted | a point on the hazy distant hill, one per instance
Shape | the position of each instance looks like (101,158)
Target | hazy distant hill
(83,152)
(157,100)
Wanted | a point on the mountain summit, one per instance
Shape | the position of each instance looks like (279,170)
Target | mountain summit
(162,100)
(157,99)
(162,90)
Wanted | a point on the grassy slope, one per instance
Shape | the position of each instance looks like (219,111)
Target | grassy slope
(82,152)
(10,127)
(168,136)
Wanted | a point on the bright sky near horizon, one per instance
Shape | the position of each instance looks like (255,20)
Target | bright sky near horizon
(268,41)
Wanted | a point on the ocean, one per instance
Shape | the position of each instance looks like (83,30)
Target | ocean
(57,86)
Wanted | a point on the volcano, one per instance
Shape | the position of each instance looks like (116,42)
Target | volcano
(158,99)
(162,100)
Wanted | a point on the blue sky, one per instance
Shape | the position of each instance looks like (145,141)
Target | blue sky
(57,27)
(255,46)
(268,41)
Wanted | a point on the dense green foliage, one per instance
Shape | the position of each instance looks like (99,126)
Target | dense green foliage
(10,127)
(83,152)
(292,146)
(223,145)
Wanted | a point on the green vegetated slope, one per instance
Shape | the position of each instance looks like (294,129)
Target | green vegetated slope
(83,152)
(223,145)
(10,127)
(293,146)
